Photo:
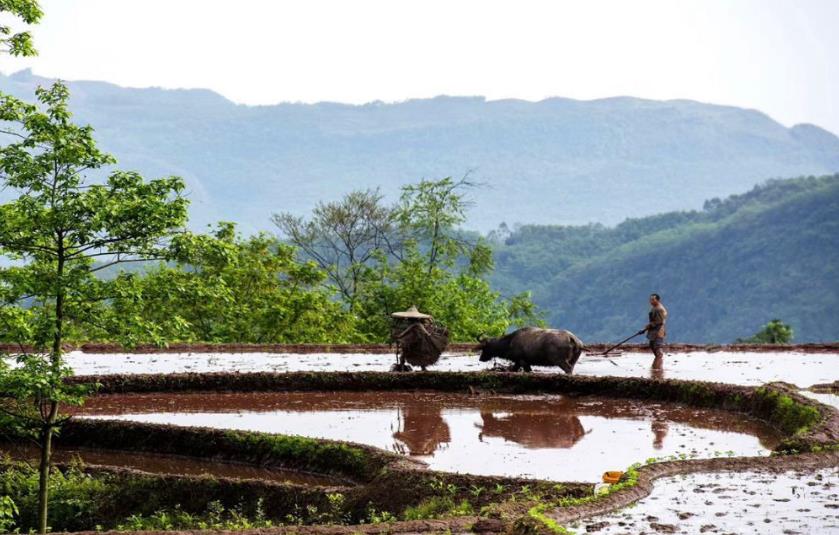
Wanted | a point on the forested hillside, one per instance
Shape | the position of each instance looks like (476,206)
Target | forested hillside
(558,161)
(722,272)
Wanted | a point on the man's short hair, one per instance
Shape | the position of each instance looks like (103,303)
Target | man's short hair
(657,297)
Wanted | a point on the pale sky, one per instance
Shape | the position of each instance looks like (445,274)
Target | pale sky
(779,56)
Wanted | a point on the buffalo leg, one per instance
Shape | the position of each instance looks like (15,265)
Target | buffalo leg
(527,367)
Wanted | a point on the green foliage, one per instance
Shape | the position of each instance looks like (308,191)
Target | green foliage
(19,43)
(375,516)
(29,389)
(8,513)
(63,227)
(216,517)
(307,453)
(774,332)
(75,497)
(387,258)
(60,224)
(224,288)
(80,501)
(782,411)
(537,513)
(437,507)
(720,271)
(437,270)
(342,237)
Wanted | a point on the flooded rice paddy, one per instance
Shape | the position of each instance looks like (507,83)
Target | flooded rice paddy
(169,464)
(802,369)
(546,437)
(827,399)
(736,503)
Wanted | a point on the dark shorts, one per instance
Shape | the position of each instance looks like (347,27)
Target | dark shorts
(656,343)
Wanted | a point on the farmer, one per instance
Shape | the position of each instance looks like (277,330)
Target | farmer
(656,329)
(419,340)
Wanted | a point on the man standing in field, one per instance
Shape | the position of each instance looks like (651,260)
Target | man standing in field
(656,329)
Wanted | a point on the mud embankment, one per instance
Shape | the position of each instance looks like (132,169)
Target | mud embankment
(778,404)
(386,479)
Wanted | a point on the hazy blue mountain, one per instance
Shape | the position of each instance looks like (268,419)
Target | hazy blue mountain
(722,272)
(558,161)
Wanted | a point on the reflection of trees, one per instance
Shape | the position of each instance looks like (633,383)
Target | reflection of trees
(421,429)
(533,430)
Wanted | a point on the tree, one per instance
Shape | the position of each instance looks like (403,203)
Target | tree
(30,396)
(438,270)
(61,229)
(224,288)
(342,237)
(774,332)
(429,214)
(20,43)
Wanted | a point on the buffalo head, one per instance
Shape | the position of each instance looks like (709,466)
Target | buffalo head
(489,348)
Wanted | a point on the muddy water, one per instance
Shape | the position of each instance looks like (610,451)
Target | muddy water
(169,464)
(550,437)
(750,502)
(827,399)
(802,369)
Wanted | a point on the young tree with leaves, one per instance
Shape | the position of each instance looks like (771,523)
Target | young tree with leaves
(343,237)
(438,270)
(19,43)
(61,229)
(774,332)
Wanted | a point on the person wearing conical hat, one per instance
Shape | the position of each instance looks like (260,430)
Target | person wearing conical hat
(419,340)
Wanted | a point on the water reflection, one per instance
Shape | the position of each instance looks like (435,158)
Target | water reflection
(422,429)
(657,369)
(532,430)
(659,428)
(420,423)
(546,436)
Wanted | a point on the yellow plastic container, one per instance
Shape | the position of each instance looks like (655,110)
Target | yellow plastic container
(612,477)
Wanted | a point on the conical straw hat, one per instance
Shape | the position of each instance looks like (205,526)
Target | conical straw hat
(411,313)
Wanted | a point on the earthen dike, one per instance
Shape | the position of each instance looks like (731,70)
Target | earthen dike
(380,479)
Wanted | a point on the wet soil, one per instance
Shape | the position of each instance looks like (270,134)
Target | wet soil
(793,502)
(170,464)
(547,437)
(827,388)
(802,369)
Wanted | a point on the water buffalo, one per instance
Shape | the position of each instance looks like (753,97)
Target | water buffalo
(532,346)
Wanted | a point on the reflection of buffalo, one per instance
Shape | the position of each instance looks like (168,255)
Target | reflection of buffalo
(533,430)
(422,429)
(531,346)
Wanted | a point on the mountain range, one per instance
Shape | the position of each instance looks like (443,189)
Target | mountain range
(557,161)
(722,272)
